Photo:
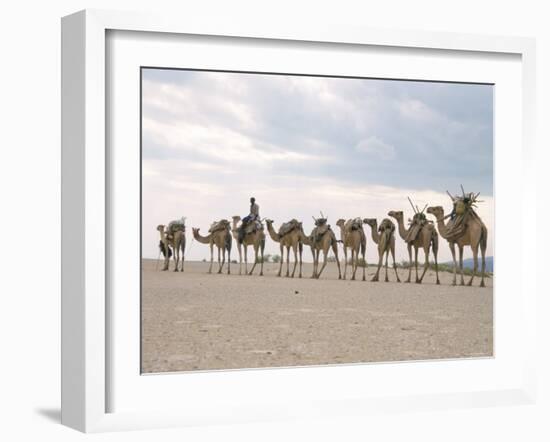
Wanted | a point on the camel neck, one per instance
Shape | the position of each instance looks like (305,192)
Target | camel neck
(441,226)
(305,239)
(274,235)
(374,233)
(202,239)
(402,231)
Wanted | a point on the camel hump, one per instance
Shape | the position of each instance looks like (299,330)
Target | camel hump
(288,227)
(353,224)
(176,226)
(222,224)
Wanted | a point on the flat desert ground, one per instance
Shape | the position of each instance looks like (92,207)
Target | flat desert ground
(199,321)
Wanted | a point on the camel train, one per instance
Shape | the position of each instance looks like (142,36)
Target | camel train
(463,228)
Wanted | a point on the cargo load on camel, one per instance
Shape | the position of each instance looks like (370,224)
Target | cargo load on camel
(253,226)
(353,224)
(463,213)
(417,223)
(321,227)
(176,226)
(222,224)
(289,227)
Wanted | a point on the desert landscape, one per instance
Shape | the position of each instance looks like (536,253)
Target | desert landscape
(197,321)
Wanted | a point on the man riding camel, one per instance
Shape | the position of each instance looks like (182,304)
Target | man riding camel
(253,216)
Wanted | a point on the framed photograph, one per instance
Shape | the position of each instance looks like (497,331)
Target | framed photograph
(264,223)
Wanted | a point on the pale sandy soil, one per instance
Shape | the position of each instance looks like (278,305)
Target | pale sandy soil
(197,321)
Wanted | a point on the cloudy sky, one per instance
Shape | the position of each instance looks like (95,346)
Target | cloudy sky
(301,145)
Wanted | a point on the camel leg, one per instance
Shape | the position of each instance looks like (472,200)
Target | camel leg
(281,260)
(364,265)
(182,255)
(409,248)
(228,261)
(380,260)
(166,259)
(220,265)
(461,263)
(426,262)
(345,261)
(335,251)
(482,283)
(453,252)
(255,260)
(394,264)
(314,252)
(352,263)
(474,252)
(436,269)
(386,279)
(211,258)
(288,261)
(300,254)
(416,262)
(354,256)
(176,258)
(295,251)
(262,256)
(262,248)
(245,259)
(325,254)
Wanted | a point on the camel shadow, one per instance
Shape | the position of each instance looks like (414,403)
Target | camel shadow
(51,414)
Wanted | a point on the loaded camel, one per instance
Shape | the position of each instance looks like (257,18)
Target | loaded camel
(174,241)
(322,238)
(420,234)
(464,229)
(256,239)
(353,237)
(289,237)
(385,238)
(220,238)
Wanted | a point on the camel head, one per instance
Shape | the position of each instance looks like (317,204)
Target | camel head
(370,221)
(195,230)
(160,227)
(386,224)
(269,221)
(436,211)
(397,214)
(236,218)
(340,222)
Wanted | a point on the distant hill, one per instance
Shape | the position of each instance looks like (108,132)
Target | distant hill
(469,263)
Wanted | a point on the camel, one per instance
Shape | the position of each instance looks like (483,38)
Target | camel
(290,240)
(427,237)
(474,235)
(323,243)
(355,240)
(256,240)
(386,244)
(176,241)
(222,240)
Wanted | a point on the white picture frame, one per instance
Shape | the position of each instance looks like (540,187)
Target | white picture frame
(86,316)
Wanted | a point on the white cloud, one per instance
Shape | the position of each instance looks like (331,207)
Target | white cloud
(376,147)
(417,110)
